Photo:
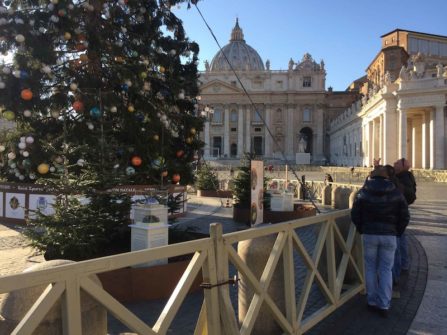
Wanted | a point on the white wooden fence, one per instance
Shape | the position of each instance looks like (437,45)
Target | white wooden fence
(213,256)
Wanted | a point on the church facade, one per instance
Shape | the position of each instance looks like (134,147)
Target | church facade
(286,113)
(402,112)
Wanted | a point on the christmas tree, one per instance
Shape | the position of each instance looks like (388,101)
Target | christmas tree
(101,94)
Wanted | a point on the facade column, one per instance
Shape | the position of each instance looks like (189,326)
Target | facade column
(318,153)
(381,149)
(425,140)
(432,139)
(402,133)
(290,134)
(371,142)
(206,139)
(240,132)
(410,139)
(365,144)
(416,146)
(226,147)
(389,137)
(268,139)
(439,138)
(247,129)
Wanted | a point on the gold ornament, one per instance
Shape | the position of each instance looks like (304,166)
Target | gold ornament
(43,168)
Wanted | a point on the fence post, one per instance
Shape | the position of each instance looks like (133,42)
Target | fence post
(229,323)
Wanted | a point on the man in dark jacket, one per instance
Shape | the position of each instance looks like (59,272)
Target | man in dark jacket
(380,213)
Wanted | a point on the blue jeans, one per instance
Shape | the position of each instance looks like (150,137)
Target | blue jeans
(379,253)
(401,260)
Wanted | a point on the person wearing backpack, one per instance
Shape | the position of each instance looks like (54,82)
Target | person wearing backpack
(406,183)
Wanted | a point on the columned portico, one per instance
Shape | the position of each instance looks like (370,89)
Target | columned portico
(416,137)
(425,159)
(247,129)
(207,141)
(291,133)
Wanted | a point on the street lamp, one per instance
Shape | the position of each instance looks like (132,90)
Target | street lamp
(207,112)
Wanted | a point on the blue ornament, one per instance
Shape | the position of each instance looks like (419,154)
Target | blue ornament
(130,170)
(125,87)
(95,113)
(23,74)
(139,117)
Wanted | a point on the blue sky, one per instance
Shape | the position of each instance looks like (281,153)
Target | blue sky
(344,33)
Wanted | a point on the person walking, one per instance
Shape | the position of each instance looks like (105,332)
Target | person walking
(380,213)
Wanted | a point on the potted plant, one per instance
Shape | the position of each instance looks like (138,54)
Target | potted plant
(206,181)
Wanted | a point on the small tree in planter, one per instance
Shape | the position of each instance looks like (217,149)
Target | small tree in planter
(206,179)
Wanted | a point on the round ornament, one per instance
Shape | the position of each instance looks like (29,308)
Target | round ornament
(43,168)
(22,145)
(179,153)
(188,140)
(52,169)
(161,69)
(73,86)
(164,173)
(2,85)
(80,162)
(113,109)
(29,140)
(20,38)
(156,137)
(193,131)
(27,113)
(131,109)
(130,170)
(11,155)
(136,161)
(95,113)
(25,153)
(2,148)
(9,115)
(83,58)
(143,75)
(67,36)
(26,94)
(175,178)
(78,106)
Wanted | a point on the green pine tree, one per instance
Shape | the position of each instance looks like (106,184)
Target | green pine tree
(101,93)
(206,178)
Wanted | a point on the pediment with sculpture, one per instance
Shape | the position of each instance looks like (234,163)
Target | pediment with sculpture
(219,87)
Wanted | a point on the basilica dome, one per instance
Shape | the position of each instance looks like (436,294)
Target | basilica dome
(241,56)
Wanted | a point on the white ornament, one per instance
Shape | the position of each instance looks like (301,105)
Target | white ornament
(21,177)
(42,30)
(32,176)
(90,126)
(11,155)
(55,2)
(52,169)
(128,83)
(16,73)
(22,139)
(80,162)
(116,166)
(2,85)
(50,6)
(22,145)
(113,109)
(6,70)
(29,140)
(172,52)
(27,113)
(46,69)
(54,18)
(181,95)
(55,114)
(130,170)
(25,154)
(73,86)
(2,148)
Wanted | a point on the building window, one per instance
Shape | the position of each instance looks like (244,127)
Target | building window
(234,83)
(307,114)
(279,84)
(233,129)
(233,150)
(257,129)
(217,146)
(233,116)
(217,116)
(258,145)
(307,81)
(257,116)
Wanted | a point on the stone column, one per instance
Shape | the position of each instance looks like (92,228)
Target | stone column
(381,149)
(318,150)
(439,138)
(410,139)
(390,139)
(371,142)
(425,140)
(268,139)
(402,133)
(432,139)
(207,140)
(240,132)
(226,148)
(290,133)
(248,129)
(416,137)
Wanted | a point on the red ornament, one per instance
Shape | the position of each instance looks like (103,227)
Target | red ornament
(26,94)
(164,174)
(179,153)
(78,106)
(175,178)
(136,160)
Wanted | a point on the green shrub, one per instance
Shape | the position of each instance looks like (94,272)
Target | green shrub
(206,179)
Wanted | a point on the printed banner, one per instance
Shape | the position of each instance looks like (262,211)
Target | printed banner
(15,206)
(42,202)
(257,193)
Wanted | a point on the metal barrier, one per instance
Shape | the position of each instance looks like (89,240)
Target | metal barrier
(213,256)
